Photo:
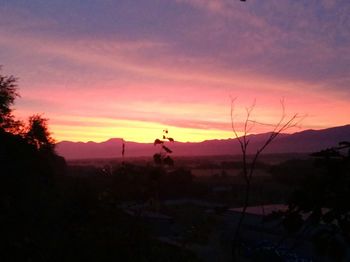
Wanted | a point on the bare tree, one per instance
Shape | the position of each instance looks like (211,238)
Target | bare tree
(282,125)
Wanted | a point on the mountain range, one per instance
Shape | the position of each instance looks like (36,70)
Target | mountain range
(301,142)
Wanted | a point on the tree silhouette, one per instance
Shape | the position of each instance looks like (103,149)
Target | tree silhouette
(249,167)
(8,94)
(38,133)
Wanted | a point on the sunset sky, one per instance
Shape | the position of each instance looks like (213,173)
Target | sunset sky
(119,68)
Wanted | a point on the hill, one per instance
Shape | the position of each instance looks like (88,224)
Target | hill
(301,142)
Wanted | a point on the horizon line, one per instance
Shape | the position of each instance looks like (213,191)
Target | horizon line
(179,141)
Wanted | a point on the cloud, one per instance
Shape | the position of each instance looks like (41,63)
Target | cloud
(282,41)
(215,6)
(177,61)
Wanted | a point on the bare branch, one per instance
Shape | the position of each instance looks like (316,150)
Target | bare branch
(248,170)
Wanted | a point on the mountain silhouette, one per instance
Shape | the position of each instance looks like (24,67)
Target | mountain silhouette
(301,142)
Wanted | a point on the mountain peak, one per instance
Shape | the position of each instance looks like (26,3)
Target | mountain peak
(114,140)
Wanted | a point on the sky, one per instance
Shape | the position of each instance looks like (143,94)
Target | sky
(99,69)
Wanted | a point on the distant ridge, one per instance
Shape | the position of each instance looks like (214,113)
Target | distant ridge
(301,142)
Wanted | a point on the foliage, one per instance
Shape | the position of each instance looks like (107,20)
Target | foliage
(27,188)
(47,215)
(321,201)
(38,133)
(8,93)
(163,157)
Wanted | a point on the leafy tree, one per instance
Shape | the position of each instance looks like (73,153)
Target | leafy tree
(8,94)
(38,133)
